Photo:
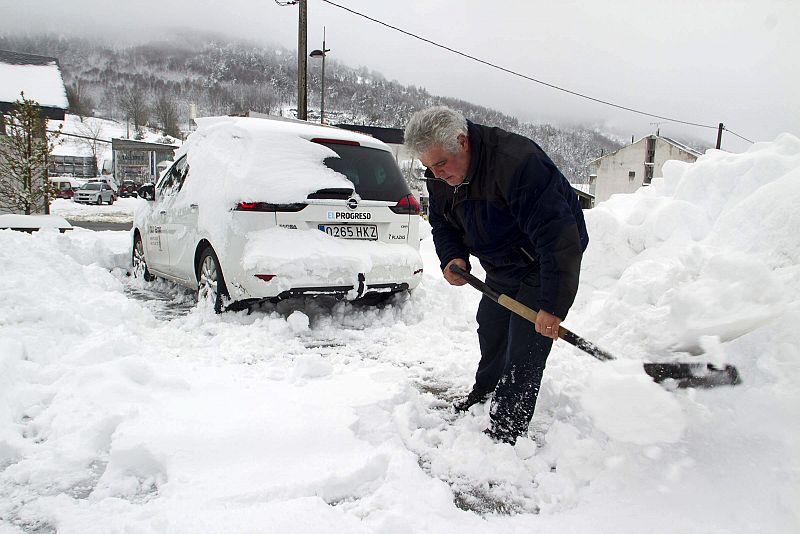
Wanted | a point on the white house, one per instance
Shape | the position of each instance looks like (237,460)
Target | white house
(39,78)
(635,165)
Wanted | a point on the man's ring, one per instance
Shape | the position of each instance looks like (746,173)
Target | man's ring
(549,327)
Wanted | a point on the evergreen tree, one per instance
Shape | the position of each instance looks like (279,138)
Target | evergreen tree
(24,155)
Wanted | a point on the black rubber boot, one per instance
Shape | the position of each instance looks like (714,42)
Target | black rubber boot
(501,437)
(474,397)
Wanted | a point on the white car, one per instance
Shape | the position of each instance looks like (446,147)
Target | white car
(262,209)
(95,193)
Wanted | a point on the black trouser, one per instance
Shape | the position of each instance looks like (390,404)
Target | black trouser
(513,357)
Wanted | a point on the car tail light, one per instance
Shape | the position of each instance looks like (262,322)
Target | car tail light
(407,205)
(265,277)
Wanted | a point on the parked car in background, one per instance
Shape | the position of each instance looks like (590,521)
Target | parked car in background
(64,186)
(127,188)
(261,209)
(95,193)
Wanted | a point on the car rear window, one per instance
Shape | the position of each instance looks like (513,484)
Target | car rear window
(374,172)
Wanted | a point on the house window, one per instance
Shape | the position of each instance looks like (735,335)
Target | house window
(631,175)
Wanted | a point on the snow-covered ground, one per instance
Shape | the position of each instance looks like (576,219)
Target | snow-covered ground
(121,411)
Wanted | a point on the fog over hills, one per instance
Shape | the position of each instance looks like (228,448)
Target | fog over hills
(155,82)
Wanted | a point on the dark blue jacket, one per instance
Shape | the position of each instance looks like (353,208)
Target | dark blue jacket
(515,212)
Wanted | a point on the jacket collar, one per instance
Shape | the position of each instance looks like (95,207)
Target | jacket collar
(475,145)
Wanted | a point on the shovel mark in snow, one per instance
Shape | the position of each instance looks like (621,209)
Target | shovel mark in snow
(165,300)
(85,487)
(489,499)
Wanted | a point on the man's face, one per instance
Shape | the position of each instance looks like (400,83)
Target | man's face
(452,168)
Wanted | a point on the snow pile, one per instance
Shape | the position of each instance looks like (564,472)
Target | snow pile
(309,417)
(33,221)
(703,256)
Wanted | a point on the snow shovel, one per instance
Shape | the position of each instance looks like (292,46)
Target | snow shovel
(683,375)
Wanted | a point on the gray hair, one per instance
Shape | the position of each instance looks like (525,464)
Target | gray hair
(438,125)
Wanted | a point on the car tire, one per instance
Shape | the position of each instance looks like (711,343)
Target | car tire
(210,281)
(99,199)
(110,200)
(138,261)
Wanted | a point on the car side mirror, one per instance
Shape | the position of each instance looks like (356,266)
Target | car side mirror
(147,192)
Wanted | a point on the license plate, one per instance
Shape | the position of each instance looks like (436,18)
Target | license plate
(351,231)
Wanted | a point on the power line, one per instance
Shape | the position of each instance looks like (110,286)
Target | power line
(520,75)
(81,136)
(737,135)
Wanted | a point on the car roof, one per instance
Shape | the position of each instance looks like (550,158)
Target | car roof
(302,129)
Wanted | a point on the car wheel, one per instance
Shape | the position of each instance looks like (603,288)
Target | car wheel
(138,261)
(99,199)
(110,200)
(210,282)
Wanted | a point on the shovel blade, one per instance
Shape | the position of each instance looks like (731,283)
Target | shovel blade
(693,375)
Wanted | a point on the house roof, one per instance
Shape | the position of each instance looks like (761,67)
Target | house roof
(584,189)
(39,77)
(674,143)
(132,144)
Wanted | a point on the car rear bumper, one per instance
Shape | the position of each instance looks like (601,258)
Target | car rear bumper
(341,268)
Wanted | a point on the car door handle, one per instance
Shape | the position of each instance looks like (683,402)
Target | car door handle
(193,207)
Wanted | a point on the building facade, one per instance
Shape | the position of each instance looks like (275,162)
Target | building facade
(635,165)
(139,161)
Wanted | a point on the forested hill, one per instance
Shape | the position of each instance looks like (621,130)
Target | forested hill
(154,83)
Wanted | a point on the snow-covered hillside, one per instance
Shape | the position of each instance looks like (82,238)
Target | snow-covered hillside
(125,408)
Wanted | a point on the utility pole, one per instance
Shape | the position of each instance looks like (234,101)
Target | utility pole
(302,80)
(719,136)
(322,93)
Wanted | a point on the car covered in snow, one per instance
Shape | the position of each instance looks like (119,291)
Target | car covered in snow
(259,209)
(95,193)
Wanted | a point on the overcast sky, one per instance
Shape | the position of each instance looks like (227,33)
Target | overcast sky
(701,61)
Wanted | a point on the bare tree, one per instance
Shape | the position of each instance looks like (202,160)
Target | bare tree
(92,131)
(135,108)
(166,113)
(80,103)
(24,154)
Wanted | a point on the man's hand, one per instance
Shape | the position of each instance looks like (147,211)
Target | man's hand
(547,324)
(452,278)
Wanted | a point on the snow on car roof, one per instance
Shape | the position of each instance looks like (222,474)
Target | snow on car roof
(242,159)
(235,159)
